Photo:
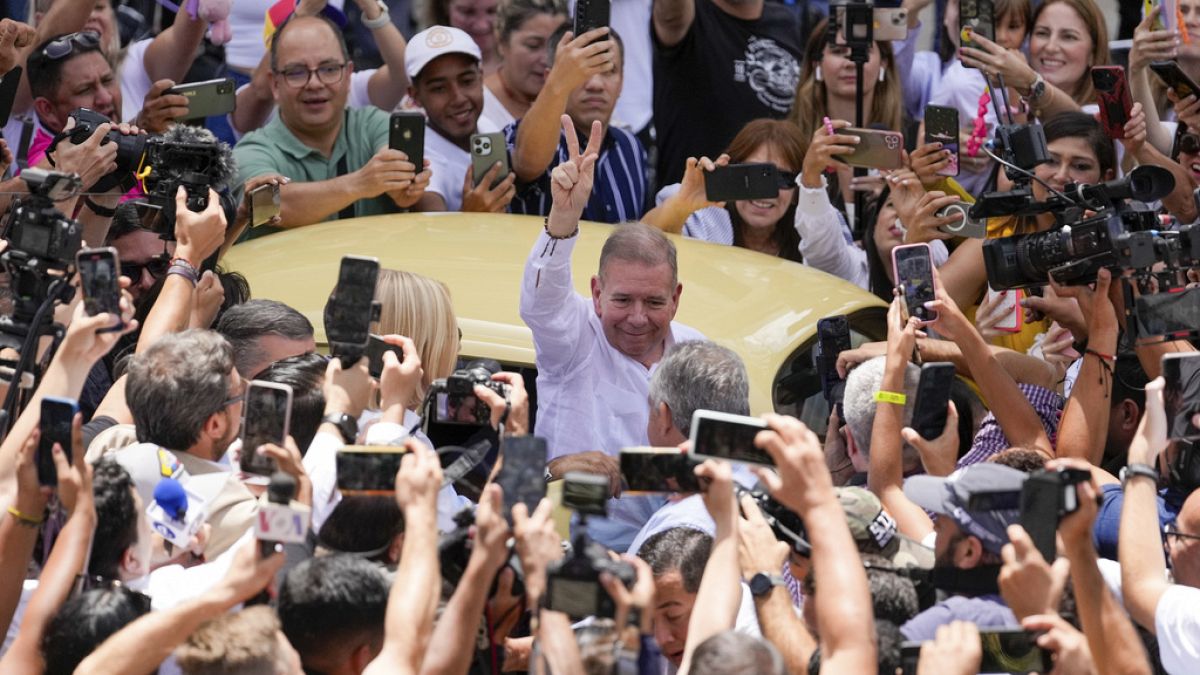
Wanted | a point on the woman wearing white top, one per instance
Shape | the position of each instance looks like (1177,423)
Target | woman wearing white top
(763,225)
(523,30)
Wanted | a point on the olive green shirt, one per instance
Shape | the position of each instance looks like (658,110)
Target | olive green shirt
(274,149)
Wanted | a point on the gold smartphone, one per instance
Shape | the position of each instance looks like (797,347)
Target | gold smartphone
(876,149)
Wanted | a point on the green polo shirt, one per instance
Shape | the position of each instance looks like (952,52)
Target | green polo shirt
(274,149)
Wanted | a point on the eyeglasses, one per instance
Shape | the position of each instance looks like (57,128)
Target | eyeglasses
(299,76)
(157,267)
(1172,530)
(65,45)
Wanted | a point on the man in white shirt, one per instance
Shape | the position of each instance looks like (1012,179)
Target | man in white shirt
(595,358)
(447,81)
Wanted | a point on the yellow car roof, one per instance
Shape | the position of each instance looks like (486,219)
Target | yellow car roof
(760,306)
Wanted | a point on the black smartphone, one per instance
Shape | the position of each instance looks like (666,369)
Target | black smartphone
(912,266)
(348,314)
(267,416)
(585,493)
(264,203)
(368,469)
(591,14)
(1171,314)
(1047,496)
(376,348)
(729,437)
(55,425)
(651,470)
(1174,77)
(742,181)
(8,95)
(523,474)
(980,17)
(910,655)
(406,133)
(99,279)
(486,151)
(833,338)
(933,395)
(941,126)
(1013,650)
(1181,394)
(208,98)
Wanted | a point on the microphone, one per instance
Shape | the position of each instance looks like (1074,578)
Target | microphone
(1145,184)
(281,519)
(175,513)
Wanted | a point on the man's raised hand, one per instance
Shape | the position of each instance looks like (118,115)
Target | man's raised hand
(571,181)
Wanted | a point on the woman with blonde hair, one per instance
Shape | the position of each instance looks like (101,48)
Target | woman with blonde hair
(419,307)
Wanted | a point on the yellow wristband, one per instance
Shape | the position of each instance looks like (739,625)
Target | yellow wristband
(24,519)
(890,397)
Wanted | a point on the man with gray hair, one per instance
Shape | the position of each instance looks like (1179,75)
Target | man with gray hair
(858,408)
(595,358)
(263,332)
(696,375)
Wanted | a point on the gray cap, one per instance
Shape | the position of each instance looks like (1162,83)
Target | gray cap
(951,495)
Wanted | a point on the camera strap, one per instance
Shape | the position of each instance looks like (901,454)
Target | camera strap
(469,457)
(343,169)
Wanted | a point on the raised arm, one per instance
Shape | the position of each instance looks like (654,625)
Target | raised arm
(19,531)
(671,215)
(1084,425)
(671,20)
(576,60)
(1151,45)
(172,51)
(144,644)
(1139,548)
(803,485)
(388,84)
(993,59)
(414,596)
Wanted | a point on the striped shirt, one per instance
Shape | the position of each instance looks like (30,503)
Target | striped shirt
(619,191)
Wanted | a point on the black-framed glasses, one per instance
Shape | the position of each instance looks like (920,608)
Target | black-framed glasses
(299,76)
(157,266)
(235,399)
(1171,529)
(65,45)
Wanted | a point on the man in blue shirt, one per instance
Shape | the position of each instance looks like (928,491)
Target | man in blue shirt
(584,83)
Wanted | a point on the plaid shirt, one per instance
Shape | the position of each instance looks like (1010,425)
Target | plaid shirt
(991,439)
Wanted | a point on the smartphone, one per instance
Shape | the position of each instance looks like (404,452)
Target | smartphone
(1013,650)
(376,347)
(348,314)
(585,493)
(1174,77)
(208,98)
(523,474)
(1116,104)
(1010,305)
(1047,496)
(833,338)
(651,470)
(1181,394)
(1167,19)
(912,266)
(973,228)
(891,23)
(8,95)
(742,182)
(486,151)
(910,655)
(941,126)
(368,469)
(591,14)
(876,149)
(933,396)
(264,203)
(99,279)
(976,17)
(267,416)
(406,133)
(58,414)
(729,437)
(1173,315)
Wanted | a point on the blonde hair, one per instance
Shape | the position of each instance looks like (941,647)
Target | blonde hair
(811,104)
(419,308)
(243,643)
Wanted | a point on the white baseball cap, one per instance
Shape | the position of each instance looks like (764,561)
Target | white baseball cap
(434,42)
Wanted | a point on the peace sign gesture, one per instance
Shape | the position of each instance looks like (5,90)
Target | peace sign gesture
(571,181)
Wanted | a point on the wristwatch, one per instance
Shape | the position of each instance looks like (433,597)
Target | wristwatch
(380,21)
(1132,471)
(347,425)
(762,584)
(1036,90)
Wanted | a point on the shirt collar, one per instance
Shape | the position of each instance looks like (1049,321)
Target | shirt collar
(288,142)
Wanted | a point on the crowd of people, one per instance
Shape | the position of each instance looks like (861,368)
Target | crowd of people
(922,543)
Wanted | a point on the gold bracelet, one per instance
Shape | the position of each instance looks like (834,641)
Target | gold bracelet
(22,519)
(882,396)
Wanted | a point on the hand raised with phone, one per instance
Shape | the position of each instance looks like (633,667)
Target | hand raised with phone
(823,151)
(578,58)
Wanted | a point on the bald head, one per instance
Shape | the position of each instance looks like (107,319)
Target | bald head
(302,26)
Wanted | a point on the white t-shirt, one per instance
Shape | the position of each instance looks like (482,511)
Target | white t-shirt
(1177,627)
(135,81)
(450,163)
(494,112)
(246,20)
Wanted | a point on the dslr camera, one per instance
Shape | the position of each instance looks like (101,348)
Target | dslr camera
(452,400)
(573,584)
(36,230)
(130,149)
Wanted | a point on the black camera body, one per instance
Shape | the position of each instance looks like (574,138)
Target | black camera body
(130,149)
(454,552)
(194,166)
(38,230)
(787,526)
(452,400)
(573,584)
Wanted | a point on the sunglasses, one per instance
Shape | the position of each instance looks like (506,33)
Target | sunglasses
(66,45)
(157,267)
(1189,144)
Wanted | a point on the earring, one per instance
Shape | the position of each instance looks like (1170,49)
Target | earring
(819,76)
(882,74)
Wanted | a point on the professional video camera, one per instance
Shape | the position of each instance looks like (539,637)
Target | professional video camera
(185,156)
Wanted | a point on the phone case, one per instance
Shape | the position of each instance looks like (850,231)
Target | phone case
(891,23)
(877,149)
(1011,305)
(486,150)
(941,126)
(912,267)
(1112,89)
(591,14)
(376,348)
(933,393)
(742,182)
(209,98)
(99,278)
(262,402)
(264,204)
(348,316)
(980,17)
(1174,77)
(406,133)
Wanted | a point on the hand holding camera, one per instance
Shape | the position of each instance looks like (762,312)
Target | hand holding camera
(198,235)
(759,550)
(88,338)
(824,150)
(512,409)
(73,472)
(692,195)
(162,107)
(387,171)
(92,158)
(491,530)
(249,573)
(489,196)
(537,544)
(31,496)
(1028,583)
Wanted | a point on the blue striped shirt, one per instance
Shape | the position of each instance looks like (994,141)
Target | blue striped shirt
(619,191)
